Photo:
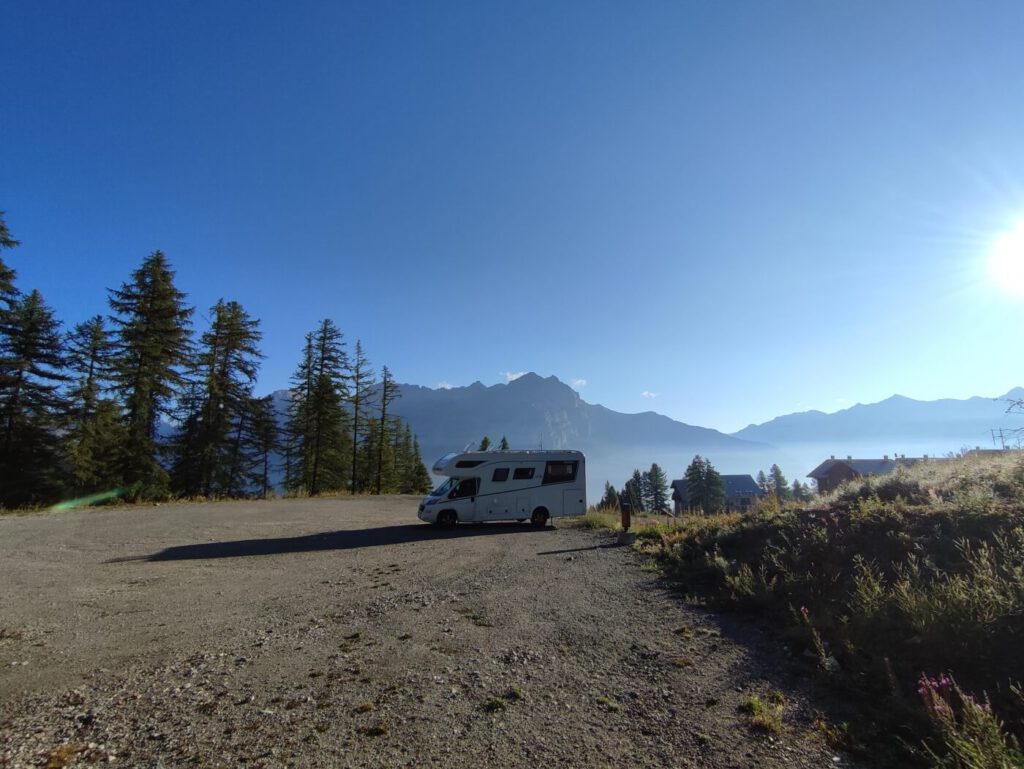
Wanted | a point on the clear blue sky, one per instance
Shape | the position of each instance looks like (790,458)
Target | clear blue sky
(741,209)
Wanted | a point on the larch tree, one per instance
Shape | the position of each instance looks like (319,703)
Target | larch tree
(704,486)
(389,391)
(361,388)
(96,436)
(152,351)
(610,500)
(778,483)
(658,489)
(32,467)
(226,365)
(261,440)
(317,424)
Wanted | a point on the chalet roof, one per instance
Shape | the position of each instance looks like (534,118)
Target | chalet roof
(735,486)
(859,466)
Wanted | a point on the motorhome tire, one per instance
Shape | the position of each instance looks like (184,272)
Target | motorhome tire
(447,519)
(539,517)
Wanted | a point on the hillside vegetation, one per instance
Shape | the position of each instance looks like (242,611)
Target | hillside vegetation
(906,591)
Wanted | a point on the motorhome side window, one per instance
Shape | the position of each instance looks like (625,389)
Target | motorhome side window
(522,474)
(467,488)
(500,474)
(559,472)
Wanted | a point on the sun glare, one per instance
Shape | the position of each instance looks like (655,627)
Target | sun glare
(1006,262)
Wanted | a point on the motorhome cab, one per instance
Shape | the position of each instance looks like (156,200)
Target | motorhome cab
(507,486)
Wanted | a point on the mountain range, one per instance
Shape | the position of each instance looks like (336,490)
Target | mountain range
(543,412)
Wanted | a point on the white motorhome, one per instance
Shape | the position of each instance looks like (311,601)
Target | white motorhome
(507,486)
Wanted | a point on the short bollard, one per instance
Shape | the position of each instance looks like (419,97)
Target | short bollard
(625,536)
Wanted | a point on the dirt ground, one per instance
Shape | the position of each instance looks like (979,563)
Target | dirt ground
(344,632)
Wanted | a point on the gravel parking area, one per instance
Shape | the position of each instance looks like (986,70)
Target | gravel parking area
(344,632)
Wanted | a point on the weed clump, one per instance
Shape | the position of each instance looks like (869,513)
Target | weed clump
(890,576)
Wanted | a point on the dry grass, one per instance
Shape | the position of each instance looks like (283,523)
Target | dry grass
(888,577)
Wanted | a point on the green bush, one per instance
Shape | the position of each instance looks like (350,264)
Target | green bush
(920,570)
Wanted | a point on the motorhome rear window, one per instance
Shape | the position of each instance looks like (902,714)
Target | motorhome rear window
(559,472)
(522,474)
(500,474)
(469,462)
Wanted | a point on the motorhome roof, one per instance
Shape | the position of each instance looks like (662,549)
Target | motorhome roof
(446,464)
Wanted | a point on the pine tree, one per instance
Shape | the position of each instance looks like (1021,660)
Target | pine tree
(388,392)
(762,482)
(209,449)
(361,387)
(32,468)
(704,486)
(485,444)
(658,489)
(778,483)
(8,292)
(503,446)
(96,436)
(646,492)
(610,500)
(317,424)
(633,492)
(260,441)
(152,349)
(419,478)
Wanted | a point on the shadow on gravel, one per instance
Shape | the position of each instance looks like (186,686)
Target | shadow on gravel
(580,549)
(333,540)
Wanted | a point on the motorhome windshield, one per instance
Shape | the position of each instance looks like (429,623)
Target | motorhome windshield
(444,488)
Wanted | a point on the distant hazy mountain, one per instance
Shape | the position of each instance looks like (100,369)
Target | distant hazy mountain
(535,412)
(897,425)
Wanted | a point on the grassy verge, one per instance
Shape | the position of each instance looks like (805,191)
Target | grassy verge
(907,591)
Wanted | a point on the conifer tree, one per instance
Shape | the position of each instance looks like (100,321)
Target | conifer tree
(361,388)
(261,440)
(632,491)
(646,494)
(658,489)
(704,486)
(8,292)
(96,436)
(317,421)
(32,469)
(797,491)
(210,444)
(388,392)
(485,444)
(762,482)
(152,350)
(503,446)
(610,500)
(418,479)
(778,483)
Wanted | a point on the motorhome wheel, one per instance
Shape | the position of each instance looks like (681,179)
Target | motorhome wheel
(539,517)
(447,519)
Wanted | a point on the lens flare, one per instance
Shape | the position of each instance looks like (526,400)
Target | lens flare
(1006,262)
(92,499)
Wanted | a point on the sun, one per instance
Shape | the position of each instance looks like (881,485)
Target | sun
(1006,261)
